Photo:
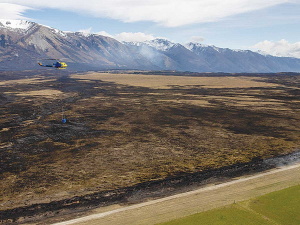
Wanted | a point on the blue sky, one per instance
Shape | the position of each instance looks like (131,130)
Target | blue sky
(271,26)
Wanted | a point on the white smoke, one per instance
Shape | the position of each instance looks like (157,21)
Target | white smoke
(284,160)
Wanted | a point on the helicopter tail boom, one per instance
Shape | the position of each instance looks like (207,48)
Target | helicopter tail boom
(45,65)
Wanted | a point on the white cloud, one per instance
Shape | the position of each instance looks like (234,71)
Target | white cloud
(170,13)
(104,33)
(279,48)
(86,31)
(197,39)
(124,36)
(136,37)
(12,11)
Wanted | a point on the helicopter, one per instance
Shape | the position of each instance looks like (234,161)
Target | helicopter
(57,64)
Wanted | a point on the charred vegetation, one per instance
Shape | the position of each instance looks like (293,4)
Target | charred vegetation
(120,138)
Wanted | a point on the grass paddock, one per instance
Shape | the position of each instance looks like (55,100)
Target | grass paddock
(279,207)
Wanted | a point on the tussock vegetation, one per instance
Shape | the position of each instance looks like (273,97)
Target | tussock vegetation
(121,134)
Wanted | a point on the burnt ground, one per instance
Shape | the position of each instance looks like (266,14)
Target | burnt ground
(121,140)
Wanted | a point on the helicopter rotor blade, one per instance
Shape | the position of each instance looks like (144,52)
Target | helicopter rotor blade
(54,59)
(50,59)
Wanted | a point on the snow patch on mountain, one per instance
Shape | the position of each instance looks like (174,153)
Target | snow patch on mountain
(59,32)
(159,44)
(16,24)
(192,45)
(25,25)
(84,34)
(239,50)
(54,30)
(202,47)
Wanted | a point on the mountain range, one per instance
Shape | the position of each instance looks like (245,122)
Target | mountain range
(24,43)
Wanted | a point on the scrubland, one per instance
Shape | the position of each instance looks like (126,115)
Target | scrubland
(127,129)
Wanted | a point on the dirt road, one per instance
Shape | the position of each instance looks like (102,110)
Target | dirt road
(188,203)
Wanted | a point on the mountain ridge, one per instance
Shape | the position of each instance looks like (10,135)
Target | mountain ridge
(22,43)
(39,41)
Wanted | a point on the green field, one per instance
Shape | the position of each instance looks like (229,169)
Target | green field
(228,215)
(280,207)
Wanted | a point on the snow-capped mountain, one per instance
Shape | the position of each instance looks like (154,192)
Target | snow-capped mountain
(202,47)
(191,46)
(228,60)
(155,51)
(22,43)
(158,44)
(16,24)
(198,57)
